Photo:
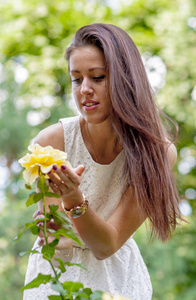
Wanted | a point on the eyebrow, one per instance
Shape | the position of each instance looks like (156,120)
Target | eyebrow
(90,70)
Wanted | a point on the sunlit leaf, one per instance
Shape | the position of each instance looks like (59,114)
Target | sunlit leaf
(57,286)
(54,297)
(73,264)
(33,198)
(88,291)
(21,254)
(96,295)
(35,229)
(37,281)
(53,208)
(48,252)
(61,265)
(72,286)
(69,234)
(22,230)
(61,219)
(54,243)
(50,194)
(41,220)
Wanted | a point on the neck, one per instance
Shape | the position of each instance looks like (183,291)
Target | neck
(101,141)
(102,132)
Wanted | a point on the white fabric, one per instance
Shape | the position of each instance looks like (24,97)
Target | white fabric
(124,272)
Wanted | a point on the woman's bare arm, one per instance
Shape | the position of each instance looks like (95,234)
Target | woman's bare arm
(103,238)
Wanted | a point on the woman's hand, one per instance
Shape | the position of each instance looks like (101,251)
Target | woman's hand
(65,182)
(64,243)
(64,248)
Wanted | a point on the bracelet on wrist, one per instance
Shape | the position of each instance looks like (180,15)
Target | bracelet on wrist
(76,211)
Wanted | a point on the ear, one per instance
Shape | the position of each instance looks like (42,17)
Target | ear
(172,154)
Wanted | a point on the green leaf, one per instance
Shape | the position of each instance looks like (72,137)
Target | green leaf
(33,198)
(71,286)
(37,281)
(43,184)
(54,297)
(69,234)
(40,220)
(35,229)
(61,266)
(53,208)
(81,295)
(48,252)
(88,291)
(21,254)
(22,230)
(52,231)
(54,243)
(50,194)
(62,219)
(57,286)
(73,264)
(96,295)
(28,186)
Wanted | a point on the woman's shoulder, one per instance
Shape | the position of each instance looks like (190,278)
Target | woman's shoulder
(51,136)
(70,123)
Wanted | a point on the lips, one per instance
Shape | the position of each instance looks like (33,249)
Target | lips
(90,105)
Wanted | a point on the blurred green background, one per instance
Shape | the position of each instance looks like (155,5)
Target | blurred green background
(35,92)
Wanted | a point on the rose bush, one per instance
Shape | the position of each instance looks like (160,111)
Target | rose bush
(42,159)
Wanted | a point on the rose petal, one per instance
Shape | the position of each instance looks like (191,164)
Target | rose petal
(42,158)
(31,174)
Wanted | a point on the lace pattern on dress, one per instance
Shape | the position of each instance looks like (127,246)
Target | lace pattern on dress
(124,272)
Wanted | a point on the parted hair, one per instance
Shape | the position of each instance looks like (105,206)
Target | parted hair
(138,124)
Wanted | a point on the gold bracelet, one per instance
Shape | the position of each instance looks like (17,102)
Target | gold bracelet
(76,211)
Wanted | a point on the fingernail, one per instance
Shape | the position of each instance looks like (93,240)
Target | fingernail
(49,172)
(54,167)
(63,167)
(41,241)
(49,180)
(39,224)
(38,212)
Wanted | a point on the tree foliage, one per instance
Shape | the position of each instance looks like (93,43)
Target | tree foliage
(35,92)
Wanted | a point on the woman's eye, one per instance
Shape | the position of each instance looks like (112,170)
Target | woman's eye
(99,78)
(76,80)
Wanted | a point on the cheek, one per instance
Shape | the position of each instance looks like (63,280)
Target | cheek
(76,93)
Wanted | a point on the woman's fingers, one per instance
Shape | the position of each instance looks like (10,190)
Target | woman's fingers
(36,213)
(66,179)
(73,174)
(54,187)
(79,170)
(41,241)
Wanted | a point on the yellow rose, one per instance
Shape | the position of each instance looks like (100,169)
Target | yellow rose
(43,159)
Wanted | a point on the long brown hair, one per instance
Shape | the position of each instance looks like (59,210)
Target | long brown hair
(136,120)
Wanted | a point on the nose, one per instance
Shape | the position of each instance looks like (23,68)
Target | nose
(86,87)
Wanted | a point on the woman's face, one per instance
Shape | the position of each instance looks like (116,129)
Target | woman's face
(89,83)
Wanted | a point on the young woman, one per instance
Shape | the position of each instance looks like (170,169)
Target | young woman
(122,159)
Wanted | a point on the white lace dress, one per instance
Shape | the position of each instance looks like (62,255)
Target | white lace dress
(124,272)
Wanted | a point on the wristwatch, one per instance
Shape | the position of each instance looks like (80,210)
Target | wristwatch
(76,211)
